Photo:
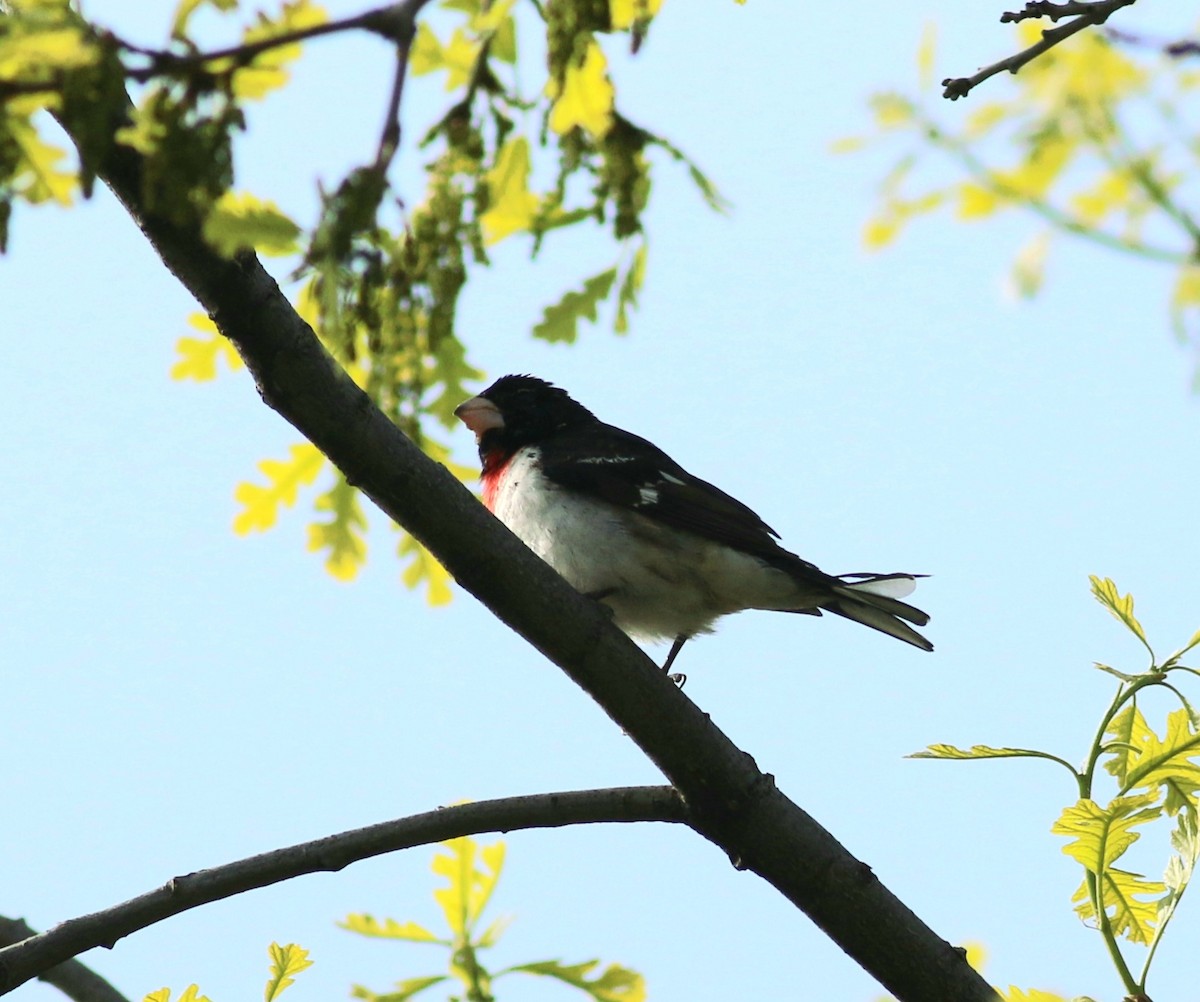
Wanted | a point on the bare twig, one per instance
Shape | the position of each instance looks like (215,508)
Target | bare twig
(1088,14)
(39,954)
(76,981)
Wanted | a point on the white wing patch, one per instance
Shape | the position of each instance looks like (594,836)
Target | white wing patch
(601,460)
(647,495)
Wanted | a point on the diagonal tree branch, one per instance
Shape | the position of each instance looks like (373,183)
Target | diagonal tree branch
(40,953)
(729,800)
(76,981)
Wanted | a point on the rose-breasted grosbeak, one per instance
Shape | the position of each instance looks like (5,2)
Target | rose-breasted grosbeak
(624,523)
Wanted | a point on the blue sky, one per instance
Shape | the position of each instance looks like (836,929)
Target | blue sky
(179,697)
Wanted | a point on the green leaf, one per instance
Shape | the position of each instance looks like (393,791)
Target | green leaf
(198,357)
(1180,868)
(344,534)
(631,285)
(1102,834)
(424,567)
(260,505)
(511,205)
(614,984)
(286,963)
(1183,650)
(267,71)
(186,8)
(585,99)
(1167,762)
(954,753)
(470,886)
(368,925)
(242,221)
(1121,606)
(425,56)
(491,935)
(560,322)
(404,989)
(1121,893)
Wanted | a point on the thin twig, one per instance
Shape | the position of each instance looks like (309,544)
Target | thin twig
(1089,14)
(76,981)
(37,955)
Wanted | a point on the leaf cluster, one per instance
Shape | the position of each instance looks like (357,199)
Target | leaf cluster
(471,872)
(380,272)
(1153,776)
(1096,140)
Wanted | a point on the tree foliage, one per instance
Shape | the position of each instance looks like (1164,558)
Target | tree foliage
(1153,779)
(1094,139)
(379,281)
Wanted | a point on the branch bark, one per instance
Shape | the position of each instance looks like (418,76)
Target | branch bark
(1086,15)
(37,955)
(75,980)
(729,800)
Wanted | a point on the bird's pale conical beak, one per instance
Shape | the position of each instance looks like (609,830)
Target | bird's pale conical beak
(479,414)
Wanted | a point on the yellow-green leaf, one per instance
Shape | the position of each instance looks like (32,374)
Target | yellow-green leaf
(190,994)
(623,13)
(1121,606)
(511,205)
(240,221)
(470,886)
(976,201)
(186,8)
(198,357)
(613,984)
(424,568)
(1029,266)
(343,535)
(33,53)
(1184,297)
(260,505)
(587,96)
(1166,762)
(368,925)
(426,53)
(267,70)
(1102,834)
(459,58)
(402,991)
(848,144)
(560,322)
(892,111)
(37,176)
(1122,895)
(286,963)
(881,231)
(1015,994)
(926,54)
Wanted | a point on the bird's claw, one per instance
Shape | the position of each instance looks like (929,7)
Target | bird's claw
(677,677)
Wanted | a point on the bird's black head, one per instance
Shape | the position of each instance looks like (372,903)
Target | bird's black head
(519,410)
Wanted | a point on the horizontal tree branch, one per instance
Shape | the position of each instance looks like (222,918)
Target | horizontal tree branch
(729,800)
(76,981)
(38,955)
(1089,14)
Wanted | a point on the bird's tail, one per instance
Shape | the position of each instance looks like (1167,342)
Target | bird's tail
(874,601)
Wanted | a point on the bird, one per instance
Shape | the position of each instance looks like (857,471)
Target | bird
(668,554)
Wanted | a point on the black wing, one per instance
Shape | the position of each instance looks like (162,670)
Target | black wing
(607,463)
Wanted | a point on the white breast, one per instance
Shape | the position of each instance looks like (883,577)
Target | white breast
(659,582)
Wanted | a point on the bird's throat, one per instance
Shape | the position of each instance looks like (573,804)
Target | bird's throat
(495,464)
